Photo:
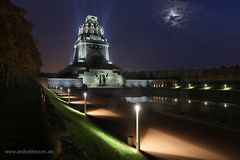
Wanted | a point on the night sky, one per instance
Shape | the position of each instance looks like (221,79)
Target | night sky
(143,34)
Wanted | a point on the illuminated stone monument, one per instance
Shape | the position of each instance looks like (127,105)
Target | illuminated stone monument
(91,45)
(91,61)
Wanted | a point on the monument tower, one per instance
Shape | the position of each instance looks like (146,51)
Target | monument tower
(90,61)
(91,44)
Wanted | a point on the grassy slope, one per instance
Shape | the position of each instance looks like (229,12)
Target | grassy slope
(97,143)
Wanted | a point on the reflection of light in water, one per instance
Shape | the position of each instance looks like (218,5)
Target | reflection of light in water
(137,99)
(157,99)
(160,144)
(167,100)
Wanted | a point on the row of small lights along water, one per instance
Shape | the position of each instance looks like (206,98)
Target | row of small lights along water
(174,101)
(164,100)
(205,86)
(222,114)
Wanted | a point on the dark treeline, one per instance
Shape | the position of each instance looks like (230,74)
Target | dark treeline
(231,73)
(19,56)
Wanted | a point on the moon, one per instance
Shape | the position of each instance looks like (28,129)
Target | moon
(174,17)
(174,14)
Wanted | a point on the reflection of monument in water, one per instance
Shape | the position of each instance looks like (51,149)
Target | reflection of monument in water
(91,61)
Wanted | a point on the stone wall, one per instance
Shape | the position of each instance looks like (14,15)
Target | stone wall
(155,83)
(65,82)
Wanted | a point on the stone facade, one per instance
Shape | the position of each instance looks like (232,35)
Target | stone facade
(91,61)
(91,42)
(95,78)
(65,82)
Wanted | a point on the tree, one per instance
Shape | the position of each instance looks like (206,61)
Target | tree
(19,56)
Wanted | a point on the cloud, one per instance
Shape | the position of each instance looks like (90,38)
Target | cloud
(173,13)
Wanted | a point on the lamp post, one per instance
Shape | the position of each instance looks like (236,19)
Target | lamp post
(61,91)
(189,85)
(225,87)
(68,95)
(85,102)
(205,103)
(225,105)
(137,108)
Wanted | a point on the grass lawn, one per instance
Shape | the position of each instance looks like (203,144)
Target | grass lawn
(96,143)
